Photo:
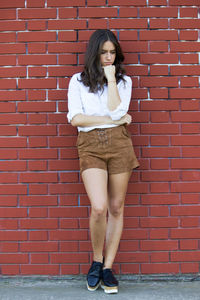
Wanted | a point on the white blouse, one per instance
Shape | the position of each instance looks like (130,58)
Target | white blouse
(81,101)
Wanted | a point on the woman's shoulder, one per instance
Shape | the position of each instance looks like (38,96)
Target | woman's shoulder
(76,77)
(127,78)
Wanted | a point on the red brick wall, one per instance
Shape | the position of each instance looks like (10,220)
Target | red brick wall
(44,210)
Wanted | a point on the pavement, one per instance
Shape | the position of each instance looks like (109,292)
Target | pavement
(33,288)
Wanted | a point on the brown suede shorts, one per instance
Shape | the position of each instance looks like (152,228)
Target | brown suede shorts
(109,149)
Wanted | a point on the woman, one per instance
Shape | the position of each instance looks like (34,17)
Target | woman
(98,101)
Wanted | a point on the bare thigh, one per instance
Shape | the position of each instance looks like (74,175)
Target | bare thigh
(118,184)
(95,181)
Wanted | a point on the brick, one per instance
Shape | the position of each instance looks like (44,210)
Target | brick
(37,223)
(49,83)
(36,48)
(13,26)
(35,13)
(36,59)
(159,23)
(168,222)
(7,84)
(184,23)
(188,245)
(184,187)
(165,58)
(159,245)
(159,164)
(189,12)
(158,2)
(185,70)
(36,25)
(127,2)
(35,142)
(160,176)
(184,2)
(37,130)
(39,269)
(39,247)
(37,72)
(13,235)
(37,258)
(185,233)
(68,235)
(69,47)
(186,140)
(185,256)
(189,222)
(35,119)
(190,267)
(60,3)
(189,35)
(161,152)
(160,268)
(90,12)
(66,24)
(11,165)
(163,12)
(185,116)
(38,154)
(162,129)
(185,211)
(8,37)
(69,212)
(189,58)
(160,35)
(129,268)
(38,177)
(158,257)
(130,256)
(37,165)
(160,199)
(185,163)
(13,258)
(127,23)
(125,12)
(97,23)
(35,3)
(158,93)
(158,46)
(37,36)
(37,235)
(37,107)
(185,47)
(189,82)
(8,14)
(161,234)
(6,60)
(158,82)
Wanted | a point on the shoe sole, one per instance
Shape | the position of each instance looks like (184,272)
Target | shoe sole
(110,289)
(92,289)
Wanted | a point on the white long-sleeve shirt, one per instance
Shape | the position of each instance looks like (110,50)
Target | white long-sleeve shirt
(81,101)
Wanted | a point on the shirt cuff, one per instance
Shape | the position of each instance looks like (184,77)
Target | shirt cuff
(119,112)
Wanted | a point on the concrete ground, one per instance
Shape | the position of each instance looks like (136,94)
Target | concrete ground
(20,288)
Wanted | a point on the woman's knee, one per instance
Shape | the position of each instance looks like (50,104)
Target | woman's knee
(116,209)
(99,212)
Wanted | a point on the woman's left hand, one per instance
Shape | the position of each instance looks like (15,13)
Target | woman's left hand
(109,72)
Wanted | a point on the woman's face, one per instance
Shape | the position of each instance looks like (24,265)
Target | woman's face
(108,54)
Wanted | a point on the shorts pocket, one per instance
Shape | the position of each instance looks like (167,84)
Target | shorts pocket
(126,132)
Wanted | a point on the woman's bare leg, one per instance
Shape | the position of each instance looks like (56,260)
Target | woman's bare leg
(118,184)
(95,182)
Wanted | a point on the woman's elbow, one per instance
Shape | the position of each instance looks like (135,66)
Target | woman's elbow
(75,121)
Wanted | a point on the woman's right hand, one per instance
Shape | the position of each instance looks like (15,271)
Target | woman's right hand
(126,119)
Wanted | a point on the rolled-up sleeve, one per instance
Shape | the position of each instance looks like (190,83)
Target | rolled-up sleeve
(74,98)
(125,91)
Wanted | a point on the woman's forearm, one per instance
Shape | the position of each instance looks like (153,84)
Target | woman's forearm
(113,95)
(82,120)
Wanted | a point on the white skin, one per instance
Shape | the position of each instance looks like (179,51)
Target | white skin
(106,192)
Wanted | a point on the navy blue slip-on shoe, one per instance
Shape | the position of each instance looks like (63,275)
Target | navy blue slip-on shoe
(94,276)
(109,283)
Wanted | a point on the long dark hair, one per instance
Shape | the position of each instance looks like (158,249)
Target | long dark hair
(93,74)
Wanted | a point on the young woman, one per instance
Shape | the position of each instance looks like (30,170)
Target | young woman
(98,101)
